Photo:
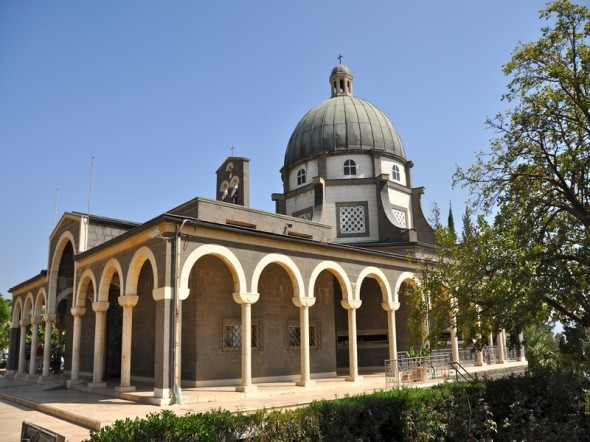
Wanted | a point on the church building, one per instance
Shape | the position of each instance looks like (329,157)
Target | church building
(216,293)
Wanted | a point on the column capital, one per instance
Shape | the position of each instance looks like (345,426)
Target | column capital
(390,306)
(78,311)
(162,293)
(24,322)
(128,300)
(305,301)
(245,297)
(50,317)
(100,306)
(36,320)
(351,303)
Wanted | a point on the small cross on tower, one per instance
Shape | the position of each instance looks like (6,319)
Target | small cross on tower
(339,58)
(232,150)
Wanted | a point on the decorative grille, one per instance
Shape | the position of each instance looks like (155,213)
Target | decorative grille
(295,335)
(305,215)
(400,217)
(352,219)
(232,335)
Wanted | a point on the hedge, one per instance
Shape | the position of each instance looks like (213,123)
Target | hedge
(548,406)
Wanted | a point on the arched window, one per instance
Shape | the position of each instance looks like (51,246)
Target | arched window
(301,177)
(349,167)
(395,175)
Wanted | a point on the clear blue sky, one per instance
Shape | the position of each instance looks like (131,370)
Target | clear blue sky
(159,91)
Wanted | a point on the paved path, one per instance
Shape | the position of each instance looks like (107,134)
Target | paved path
(57,409)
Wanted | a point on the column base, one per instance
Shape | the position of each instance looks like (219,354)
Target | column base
(20,376)
(302,383)
(31,377)
(246,388)
(70,382)
(97,385)
(355,378)
(162,393)
(121,389)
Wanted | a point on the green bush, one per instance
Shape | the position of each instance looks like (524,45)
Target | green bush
(549,405)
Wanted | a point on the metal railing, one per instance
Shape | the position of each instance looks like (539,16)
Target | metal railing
(407,370)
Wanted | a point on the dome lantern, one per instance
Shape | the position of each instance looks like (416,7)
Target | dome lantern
(341,81)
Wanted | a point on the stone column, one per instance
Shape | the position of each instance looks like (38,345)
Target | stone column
(351,306)
(390,308)
(36,320)
(162,388)
(128,302)
(100,308)
(454,341)
(501,348)
(77,313)
(49,320)
(304,304)
(491,355)
(22,357)
(246,300)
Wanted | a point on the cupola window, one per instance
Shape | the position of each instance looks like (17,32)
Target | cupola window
(349,168)
(395,175)
(301,177)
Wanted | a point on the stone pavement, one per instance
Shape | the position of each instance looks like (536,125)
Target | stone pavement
(72,413)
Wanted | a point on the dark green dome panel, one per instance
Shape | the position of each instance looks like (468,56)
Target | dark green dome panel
(343,123)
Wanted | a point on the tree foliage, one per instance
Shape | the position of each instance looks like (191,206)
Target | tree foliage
(4,323)
(532,262)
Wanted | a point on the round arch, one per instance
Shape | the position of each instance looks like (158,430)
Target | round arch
(142,255)
(220,252)
(287,264)
(336,270)
(64,239)
(86,279)
(381,279)
(28,306)
(16,312)
(112,266)
(401,279)
(40,301)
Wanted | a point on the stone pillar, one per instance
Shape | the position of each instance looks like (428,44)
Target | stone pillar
(162,388)
(36,320)
(390,308)
(22,357)
(246,300)
(100,308)
(77,313)
(501,348)
(351,306)
(304,304)
(491,356)
(128,302)
(49,320)
(454,341)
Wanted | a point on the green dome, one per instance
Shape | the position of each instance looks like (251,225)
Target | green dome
(343,123)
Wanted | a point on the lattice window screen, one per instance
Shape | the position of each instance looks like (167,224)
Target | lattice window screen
(352,219)
(400,217)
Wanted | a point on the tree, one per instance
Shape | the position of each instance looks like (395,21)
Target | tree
(532,263)
(450,219)
(434,218)
(4,323)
